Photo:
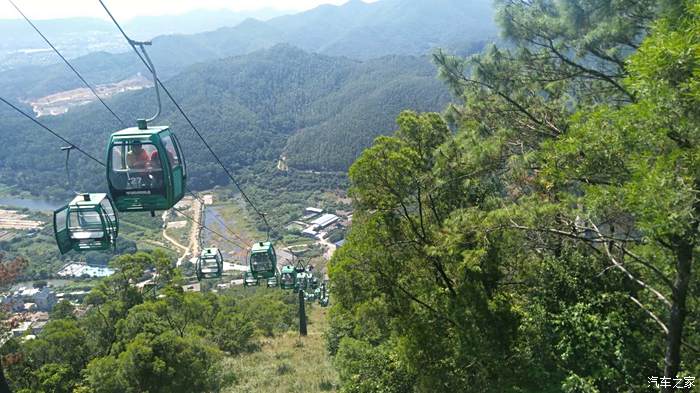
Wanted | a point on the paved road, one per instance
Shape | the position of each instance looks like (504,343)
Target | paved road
(193,247)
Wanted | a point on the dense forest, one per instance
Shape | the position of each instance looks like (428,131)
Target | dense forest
(538,235)
(549,244)
(131,340)
(247,107)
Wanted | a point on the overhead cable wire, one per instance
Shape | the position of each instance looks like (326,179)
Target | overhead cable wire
(98,97)
(76,147)
(210,230)
(67,63)
(30,117)
(220,220)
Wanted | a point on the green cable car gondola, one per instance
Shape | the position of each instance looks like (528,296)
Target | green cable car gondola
(263,260)
(210,264)
(87,223)
(288,277)
(303,280)
(145,168)
(249,280)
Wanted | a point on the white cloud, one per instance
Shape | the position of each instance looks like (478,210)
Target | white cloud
(125,9)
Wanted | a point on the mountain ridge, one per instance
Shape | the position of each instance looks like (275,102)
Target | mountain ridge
(371,30)
(248,107)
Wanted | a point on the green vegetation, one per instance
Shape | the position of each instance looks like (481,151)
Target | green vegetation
(541,235)
(550,244)
(285,195)
(287,363)
(44,259)
(356,30)
(134,341)
(247,107)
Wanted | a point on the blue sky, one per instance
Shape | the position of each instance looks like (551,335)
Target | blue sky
(125,9)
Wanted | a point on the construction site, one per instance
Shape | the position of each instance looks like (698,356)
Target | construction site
(12,221)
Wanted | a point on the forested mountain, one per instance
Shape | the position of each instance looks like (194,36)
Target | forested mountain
(540,234)
(198,21)
(551,243)
(247,107)
(356,29)
(335,142)
(82,36)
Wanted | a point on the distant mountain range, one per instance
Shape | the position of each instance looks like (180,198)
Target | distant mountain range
(318,111)
(141,28)
(356,29)
(315,88)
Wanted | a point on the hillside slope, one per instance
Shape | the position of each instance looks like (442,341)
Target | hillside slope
(247,107)
(356,29)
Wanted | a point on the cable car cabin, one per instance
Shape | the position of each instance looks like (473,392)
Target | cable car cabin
(87,223)
(210,264)
(273,282)
(263,260)
(302,281)
(288,277)
(249,280)
(146,170)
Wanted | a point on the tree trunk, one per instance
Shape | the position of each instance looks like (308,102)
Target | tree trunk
(672,360)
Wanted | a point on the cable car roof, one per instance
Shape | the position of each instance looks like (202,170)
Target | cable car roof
(261,247)
(93,199)
(210,252)
(135,131)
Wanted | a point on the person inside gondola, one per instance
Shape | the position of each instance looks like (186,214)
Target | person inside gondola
(139,161)
(137,158)
(157,169)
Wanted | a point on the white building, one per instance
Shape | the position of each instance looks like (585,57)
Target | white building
(79,269)
(45,299)
(310,231)
(325,220)
(22,329)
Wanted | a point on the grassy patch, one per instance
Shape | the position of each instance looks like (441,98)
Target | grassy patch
(287,363)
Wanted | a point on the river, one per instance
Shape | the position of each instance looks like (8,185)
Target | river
(31,204)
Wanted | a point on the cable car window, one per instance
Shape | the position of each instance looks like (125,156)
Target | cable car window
(107,207)
(261,262)
(178,149)
(210,265)
(132,167)
(85,225)
(61,218)
(287,278)
(173,157)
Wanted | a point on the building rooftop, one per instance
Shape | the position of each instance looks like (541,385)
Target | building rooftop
(80,269)
(325,220)
(311,230)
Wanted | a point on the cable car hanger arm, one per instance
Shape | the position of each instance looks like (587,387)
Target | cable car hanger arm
(142,45)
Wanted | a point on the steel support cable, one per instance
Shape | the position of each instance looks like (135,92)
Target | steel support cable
(67,63)
(187,118)
(52,132)
(231,231)
(30,117)
(149,64)
(211,230)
